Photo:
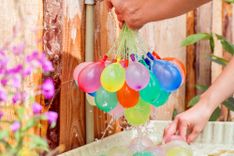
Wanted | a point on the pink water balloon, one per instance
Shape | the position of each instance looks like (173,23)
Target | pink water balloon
(89,77)
(78,69)
(137,76)
(117,112)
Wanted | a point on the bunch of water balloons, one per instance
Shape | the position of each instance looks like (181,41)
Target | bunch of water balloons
(129,80)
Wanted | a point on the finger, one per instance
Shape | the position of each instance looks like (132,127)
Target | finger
(121,24)
(192,136)
(109,4)
(172,128)
(120,18)
(183,129)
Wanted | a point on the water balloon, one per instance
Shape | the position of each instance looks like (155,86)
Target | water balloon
(89,77)
(137,76)
(105,101)
(113,77)
(139,114)
(127,97)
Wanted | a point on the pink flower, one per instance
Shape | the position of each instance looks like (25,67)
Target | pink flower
(1,114)
(3,96)
(51,116)
(17,98)
(18,49)
(15,126)
(36,107)
(4,81)
(48,88)
(47,66)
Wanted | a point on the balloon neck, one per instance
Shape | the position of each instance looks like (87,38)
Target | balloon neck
(104,58)
(118,59)
(147,61)
(132,56)
(143,62)
(125,63)
(150,56)
(156,55)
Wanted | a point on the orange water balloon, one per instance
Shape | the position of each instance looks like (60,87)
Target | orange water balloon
(127,97)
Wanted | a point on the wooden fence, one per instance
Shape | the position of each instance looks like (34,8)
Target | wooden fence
(63,40)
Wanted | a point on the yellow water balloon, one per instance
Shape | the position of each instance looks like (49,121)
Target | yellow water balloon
(113,77)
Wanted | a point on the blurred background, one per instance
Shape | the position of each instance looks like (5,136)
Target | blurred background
(61,27)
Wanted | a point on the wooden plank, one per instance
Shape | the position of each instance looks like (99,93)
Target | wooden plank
(217,9)
(159,36)
(228,33)
(217,28)
(203,51)
(232,30)
(72,117)
(190,60)
(52,45)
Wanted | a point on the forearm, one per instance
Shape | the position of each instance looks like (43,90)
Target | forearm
(221,89)
(171,8)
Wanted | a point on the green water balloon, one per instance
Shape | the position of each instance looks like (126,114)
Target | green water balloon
(105,101)
(152,91)
(144,153)
(162,99)
(139,114)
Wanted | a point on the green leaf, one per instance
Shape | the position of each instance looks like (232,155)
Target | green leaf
(38,142)
(52,125)
(219,60)
(17,136)
(20,112)
(202,87)
(174,114)
(194,100)
(4,134)
(227,46)
(229,103)
(212,44)
(215,115)
(195,38)
(229,1)
(30,123)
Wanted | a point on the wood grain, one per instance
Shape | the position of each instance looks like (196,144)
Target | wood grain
(217,28)
(203,51)
(72,117)
(190,60)
(228,34)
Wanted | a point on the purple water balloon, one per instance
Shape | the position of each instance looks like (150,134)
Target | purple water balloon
(137,76)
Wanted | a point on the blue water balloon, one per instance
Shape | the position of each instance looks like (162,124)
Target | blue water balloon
(168,75)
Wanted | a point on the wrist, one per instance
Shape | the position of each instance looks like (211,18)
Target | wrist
(206,101)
